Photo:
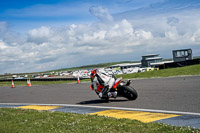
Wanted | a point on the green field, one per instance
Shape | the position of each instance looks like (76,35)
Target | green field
(19,120)
(179,71)
(31,121)
(24,83)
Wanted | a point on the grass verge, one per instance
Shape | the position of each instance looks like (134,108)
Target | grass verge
(24,83)
(31,121)
(180,71)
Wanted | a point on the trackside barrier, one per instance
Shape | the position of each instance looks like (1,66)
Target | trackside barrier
(44,79)
(13,85)
(28,83)
(78,80)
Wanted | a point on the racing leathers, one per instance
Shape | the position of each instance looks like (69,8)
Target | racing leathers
(105,80)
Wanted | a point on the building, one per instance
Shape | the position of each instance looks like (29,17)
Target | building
(125,65)
(182,55)
(160,65)
(151,58)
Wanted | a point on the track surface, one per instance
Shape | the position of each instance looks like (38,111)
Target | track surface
(172,94)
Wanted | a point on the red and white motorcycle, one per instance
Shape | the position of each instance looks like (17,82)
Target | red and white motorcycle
(119,89)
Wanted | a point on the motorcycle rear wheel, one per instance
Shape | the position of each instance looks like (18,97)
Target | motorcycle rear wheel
(129,92)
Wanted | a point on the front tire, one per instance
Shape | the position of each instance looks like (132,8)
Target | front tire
(129,92)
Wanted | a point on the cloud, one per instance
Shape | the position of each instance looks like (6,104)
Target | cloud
(2,45)
(172,21)
(107,40)
(196,36)
(101,13)
(41,34)
(172,34)
(47,47)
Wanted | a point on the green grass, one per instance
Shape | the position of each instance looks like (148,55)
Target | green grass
(31,121)
(180,71)
(24,83)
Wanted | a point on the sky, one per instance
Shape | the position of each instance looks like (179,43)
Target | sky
(42,35)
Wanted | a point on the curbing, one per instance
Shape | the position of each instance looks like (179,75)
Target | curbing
(174,118)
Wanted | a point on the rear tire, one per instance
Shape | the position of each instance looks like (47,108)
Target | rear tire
(129,92)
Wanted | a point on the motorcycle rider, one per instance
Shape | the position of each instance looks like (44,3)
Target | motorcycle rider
(102,79)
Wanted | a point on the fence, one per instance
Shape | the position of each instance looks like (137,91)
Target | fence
(41,79)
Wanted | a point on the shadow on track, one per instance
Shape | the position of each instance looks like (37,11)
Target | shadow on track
(99,101)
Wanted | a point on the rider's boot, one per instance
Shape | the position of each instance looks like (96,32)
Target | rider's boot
(115,94)
(103,92)
(110,94)
(128,82)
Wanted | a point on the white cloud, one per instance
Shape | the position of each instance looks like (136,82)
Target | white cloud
(196,37)
(42,32)
(172,34)
(2,45)
(143,34)
(106,40)
(101,13)
(172,21)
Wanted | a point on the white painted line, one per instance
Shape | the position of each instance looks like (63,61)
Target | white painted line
(104,107)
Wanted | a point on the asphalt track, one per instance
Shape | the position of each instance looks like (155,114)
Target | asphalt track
(171,94)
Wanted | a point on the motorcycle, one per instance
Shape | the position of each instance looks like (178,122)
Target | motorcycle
(119,89)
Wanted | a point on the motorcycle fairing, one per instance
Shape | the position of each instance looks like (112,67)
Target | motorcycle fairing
(117,82)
